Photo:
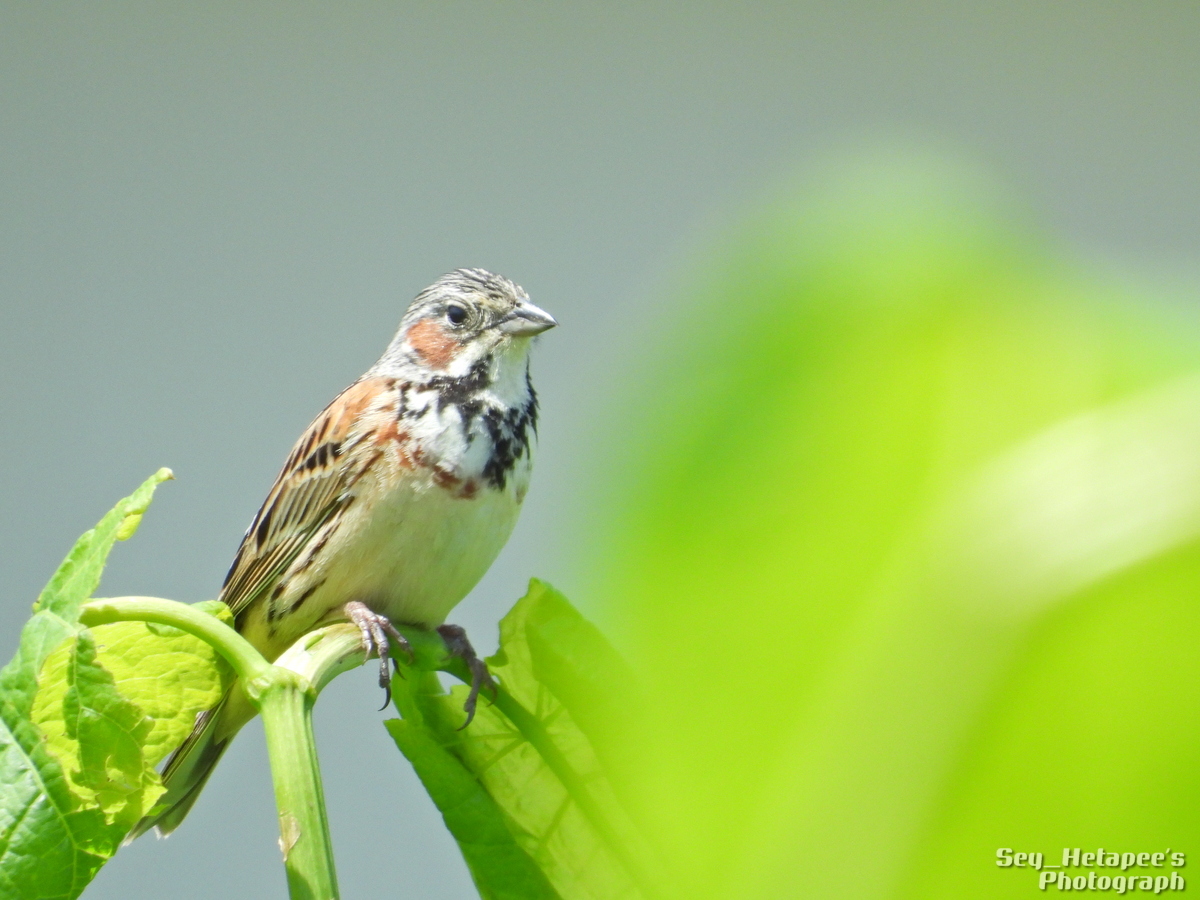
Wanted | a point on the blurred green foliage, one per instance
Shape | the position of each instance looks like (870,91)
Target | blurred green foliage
(901,535)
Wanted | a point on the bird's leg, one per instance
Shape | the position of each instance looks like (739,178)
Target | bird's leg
(376,630)
(458,645)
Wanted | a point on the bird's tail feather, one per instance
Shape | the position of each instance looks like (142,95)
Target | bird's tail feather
(185,774)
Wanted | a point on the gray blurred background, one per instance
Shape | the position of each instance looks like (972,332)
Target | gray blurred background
(213,214)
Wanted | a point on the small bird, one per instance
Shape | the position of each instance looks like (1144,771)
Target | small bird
(393,503)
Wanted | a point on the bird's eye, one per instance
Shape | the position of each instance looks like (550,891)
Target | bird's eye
(456,314)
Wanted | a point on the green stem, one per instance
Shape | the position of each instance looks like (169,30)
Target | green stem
(286,703)
(247,662)
(284,694)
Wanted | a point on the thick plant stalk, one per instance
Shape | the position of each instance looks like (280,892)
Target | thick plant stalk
(284,694)
(285,703)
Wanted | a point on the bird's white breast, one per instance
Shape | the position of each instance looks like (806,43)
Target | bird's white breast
(423,547)
(418,539)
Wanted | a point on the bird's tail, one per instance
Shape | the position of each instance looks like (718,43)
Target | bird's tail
(186,772)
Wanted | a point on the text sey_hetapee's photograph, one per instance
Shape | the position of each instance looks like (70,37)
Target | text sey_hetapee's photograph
(599,452)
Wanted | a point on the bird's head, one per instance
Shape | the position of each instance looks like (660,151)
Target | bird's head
(466,317)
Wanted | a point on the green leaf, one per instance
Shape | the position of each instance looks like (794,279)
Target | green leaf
(164,677)
(165,672)
(501,868)
(79,575)
(526,762)
(106,733)
(50,844)
(546,645)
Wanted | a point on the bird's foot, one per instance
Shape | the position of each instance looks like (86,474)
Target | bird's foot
(458,645)
(376,630)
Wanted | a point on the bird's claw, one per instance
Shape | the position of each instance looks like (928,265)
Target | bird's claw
(376,631)
(379,635)
(458,645)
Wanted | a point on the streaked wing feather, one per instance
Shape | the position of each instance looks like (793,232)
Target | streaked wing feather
(315,484)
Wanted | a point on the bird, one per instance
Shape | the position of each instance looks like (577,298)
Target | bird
(392,504)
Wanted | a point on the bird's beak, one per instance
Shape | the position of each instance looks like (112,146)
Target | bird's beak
(527,320)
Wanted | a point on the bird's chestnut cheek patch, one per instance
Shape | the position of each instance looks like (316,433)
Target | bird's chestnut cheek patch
(433,343)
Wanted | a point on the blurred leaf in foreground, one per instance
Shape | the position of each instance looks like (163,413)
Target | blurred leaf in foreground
(921,504)
(523,788)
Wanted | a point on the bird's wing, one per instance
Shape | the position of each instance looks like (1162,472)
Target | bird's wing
(316,483)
